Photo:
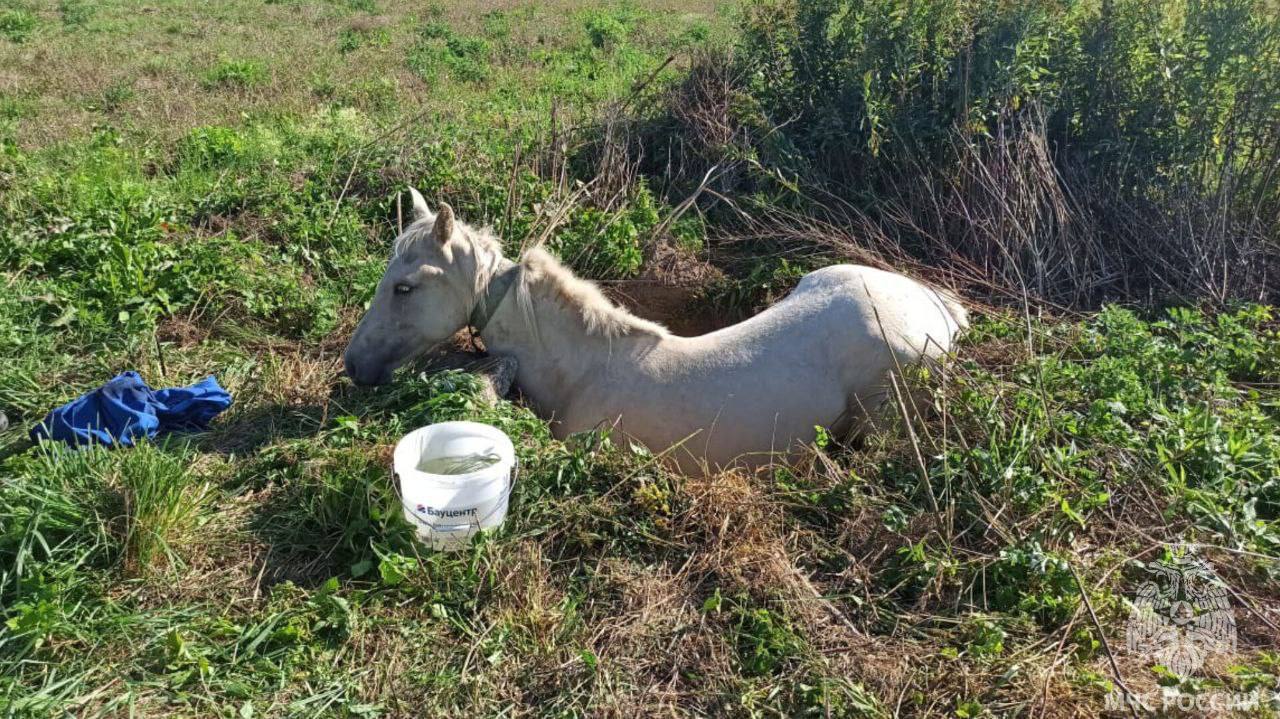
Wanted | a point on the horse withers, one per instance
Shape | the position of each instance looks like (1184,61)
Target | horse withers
(821,357)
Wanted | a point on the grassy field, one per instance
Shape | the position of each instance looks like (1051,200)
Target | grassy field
(190,189)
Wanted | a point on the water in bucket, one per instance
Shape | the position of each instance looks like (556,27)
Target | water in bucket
(463,464)
(455,480)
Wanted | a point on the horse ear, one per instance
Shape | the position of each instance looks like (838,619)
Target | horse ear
(443,229)
(419,205)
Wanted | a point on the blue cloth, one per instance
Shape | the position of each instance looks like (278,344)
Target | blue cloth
(125,409)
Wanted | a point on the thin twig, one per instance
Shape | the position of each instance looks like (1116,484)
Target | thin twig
(640,86)
(1115,667)
(684,206)
(345,186)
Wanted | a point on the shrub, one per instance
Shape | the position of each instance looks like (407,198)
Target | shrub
(1084,151)
(873,78)
(605,30)
(608,244)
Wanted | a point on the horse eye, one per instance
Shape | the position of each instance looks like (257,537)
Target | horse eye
(403,289)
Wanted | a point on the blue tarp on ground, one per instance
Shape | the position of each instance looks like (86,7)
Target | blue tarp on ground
(124,409)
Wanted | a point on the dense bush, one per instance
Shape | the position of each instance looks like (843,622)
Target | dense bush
(1083,150)
(1151,91)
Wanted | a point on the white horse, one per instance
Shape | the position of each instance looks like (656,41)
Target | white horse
(820,357)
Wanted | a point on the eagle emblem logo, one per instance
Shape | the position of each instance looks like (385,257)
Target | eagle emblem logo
(1181,616)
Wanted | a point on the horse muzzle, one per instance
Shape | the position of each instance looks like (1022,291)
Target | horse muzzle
(367,374)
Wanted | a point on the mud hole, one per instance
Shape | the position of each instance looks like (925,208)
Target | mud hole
(672,291)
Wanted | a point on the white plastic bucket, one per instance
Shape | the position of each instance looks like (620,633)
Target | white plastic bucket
(449,508)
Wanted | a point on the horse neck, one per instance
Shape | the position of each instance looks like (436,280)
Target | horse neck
(554,348)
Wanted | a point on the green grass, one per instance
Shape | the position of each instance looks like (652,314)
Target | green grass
(226,206)
(236,73)
(17,24)
(162,507)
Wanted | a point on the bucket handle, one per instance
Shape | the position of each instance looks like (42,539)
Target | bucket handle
(452,527)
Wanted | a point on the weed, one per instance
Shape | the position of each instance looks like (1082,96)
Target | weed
(162,506)
(76,13)
(608,244)
(12,107)
(17,24)
(440,49)
(116,96)
(354,38)
(375,96)
(605,30)
(53,522)
(242,74)
(764,639)
(341,507)
(766,282)
(497,25)
(212,147)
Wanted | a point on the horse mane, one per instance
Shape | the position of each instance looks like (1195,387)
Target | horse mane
(482,238)
(547,275)
(416,230)
(541,273)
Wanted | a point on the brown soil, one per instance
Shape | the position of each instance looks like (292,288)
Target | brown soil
(672,292)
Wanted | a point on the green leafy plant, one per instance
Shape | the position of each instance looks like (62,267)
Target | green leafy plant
(76,13)
(242,74)
(764,639)
(17,24)
(605,30)
(440,49)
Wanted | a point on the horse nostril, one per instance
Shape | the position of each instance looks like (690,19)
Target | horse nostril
(355,372)
(365,375)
